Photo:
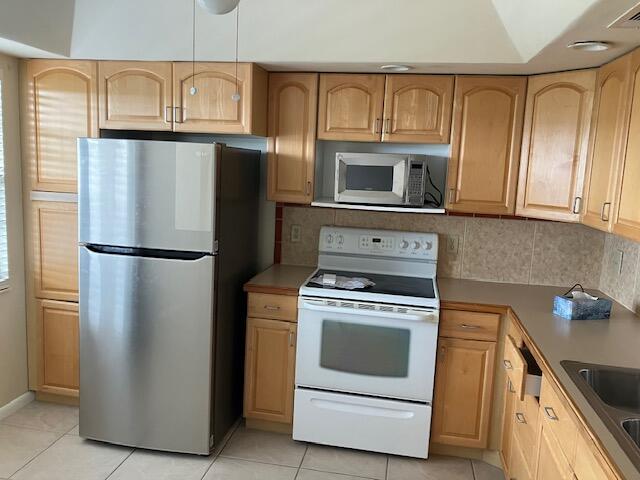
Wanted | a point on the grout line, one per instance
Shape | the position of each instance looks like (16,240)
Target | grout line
(306,449)
(222,447)
(120,464)
(350,475)
(36,456)
(533,249)
(386,471)
(473,470)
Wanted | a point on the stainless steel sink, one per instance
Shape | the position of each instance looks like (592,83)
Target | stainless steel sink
(614,394)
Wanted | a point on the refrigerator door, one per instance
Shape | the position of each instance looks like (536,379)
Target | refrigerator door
(147,194)
(146,329)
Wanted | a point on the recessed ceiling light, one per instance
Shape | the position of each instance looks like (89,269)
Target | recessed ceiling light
(590,46)
(396,68)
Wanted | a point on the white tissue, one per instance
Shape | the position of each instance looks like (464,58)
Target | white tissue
(578,295)
(349,283)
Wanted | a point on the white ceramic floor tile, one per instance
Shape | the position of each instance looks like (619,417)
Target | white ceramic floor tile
(266,447)
(435,468)
(484,471)
(234,469)
(72,458)
(345,461)
(74,431)
(19,445)
(315,475)
(44,416)
(144,464)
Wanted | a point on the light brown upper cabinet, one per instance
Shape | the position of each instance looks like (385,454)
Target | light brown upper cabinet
(293,99)
(555,145)
(627,205)
(608,134)
(135,95)
(485,144)
(387,108)
(55,250)
(212,109)
(60,106)
(350,107)
(417,108)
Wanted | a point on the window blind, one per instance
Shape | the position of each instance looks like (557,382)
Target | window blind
(4,254)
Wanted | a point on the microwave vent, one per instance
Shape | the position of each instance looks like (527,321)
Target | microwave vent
(629,19)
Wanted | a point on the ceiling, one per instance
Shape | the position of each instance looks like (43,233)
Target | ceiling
(459,36)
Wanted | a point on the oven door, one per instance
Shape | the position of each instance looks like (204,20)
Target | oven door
(367,352)
(371,178)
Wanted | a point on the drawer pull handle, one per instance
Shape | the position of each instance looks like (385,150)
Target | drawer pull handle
(510,385)
(551,414)
(520,417)
(272,307)
(466,326)
(507,364)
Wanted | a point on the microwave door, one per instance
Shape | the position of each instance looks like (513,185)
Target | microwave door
(371,179)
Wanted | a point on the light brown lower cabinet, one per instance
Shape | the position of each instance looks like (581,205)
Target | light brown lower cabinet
(269,370)
(59,359)
(551,462)
(463,390)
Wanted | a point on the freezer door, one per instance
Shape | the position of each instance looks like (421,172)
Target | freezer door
(146,333)
(147,194)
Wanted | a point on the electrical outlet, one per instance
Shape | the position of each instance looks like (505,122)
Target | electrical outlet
(296,232)
(618,258)
(453,244)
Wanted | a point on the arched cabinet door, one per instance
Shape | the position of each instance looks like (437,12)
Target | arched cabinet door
(213,109)
(417,108)
(292,136)
(60,106)
(485,144)
(350,107)
(606,149)
(554,145)
(135,95)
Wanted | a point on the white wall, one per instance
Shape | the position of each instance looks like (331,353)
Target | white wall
(13,330)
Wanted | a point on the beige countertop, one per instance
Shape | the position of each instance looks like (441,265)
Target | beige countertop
(279,279)
(608,342)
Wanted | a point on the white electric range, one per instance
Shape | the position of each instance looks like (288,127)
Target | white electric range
(365,359)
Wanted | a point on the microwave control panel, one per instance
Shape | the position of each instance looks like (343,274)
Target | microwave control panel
(378,243)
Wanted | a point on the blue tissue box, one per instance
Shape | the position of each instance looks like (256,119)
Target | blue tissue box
(581,308)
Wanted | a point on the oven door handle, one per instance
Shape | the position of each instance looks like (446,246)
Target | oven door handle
(427,317)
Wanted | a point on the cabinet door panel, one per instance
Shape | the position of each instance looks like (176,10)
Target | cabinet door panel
(463,392)
(417,108)
(506,443)
(607,136)
(555,144)
(55,237)
(59,366)
(350,107)
(61,106)
(485,144)
(293,102)
(269,370)
(551,463)
(135,95)
(627,216)
(212,109)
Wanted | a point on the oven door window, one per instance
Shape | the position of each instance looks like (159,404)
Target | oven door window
(365,349)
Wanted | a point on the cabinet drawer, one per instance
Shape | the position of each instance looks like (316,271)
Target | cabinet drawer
(558,420)
(523,373)
(279,307)
(469,325)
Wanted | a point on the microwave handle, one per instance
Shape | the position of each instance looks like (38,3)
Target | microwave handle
(318,306)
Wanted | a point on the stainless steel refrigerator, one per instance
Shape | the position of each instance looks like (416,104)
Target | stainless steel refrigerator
(167,234)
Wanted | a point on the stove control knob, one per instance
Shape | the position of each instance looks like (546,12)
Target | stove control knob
(428,245)
(404,244)
(416,245)
(329,239)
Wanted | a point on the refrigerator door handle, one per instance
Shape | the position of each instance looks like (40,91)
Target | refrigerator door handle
(146,252)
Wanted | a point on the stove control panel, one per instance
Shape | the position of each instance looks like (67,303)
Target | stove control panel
(386,243)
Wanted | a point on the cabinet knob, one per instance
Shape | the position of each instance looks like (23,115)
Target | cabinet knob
(577,204)
(507,364)
(376,127)
(520,418)
(167,114)
(551,414)
(607,206)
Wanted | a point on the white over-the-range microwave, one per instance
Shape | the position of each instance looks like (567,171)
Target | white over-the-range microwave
(384,179)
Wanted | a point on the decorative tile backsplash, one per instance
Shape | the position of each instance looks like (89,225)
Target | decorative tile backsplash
(495,250)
